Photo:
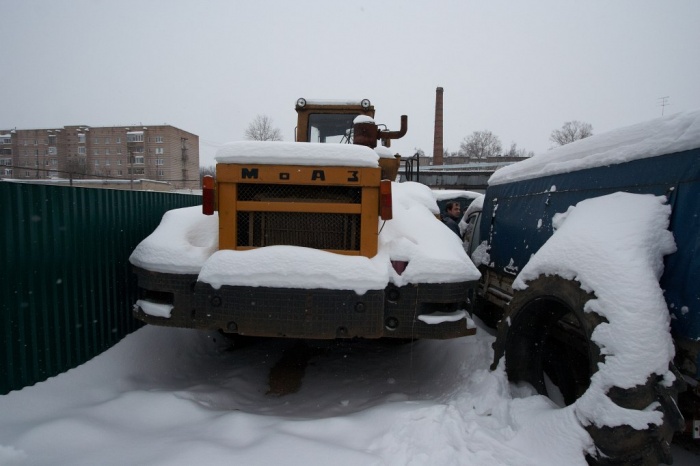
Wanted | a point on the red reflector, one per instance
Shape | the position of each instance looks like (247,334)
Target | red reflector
(399,266)
(385,203)
(208,195)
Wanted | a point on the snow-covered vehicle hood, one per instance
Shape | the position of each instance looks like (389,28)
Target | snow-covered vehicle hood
(186,242)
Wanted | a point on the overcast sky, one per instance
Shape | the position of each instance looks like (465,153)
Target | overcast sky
(519,68)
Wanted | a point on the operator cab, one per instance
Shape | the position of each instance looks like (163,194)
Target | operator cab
(329,121)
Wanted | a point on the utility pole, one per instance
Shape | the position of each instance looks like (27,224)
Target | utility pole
(663,103)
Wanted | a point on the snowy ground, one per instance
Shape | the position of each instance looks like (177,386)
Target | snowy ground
(180,397)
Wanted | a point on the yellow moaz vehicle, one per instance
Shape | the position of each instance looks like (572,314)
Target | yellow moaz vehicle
(309,239)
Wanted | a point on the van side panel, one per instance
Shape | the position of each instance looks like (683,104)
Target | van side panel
(517,220)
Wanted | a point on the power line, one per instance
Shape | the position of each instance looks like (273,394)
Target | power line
(663,103)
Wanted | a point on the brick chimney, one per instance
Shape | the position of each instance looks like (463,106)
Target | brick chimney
(437,140)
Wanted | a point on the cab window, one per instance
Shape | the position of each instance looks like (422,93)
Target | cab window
(471,234)
(331,127)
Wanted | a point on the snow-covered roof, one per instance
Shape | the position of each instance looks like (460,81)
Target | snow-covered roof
(294,153)
(447,194)
(665,135)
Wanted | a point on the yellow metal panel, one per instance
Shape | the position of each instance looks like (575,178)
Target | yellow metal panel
(343,252)
(370,221)
(315,207)
(227,215)
(298,175)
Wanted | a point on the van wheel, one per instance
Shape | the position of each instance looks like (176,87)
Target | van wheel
(545,336)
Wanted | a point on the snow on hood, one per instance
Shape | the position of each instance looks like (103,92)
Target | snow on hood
(665,135)
(448,194)
(476,205)
(181,243)
(186,242)
(614,246)
(294,153)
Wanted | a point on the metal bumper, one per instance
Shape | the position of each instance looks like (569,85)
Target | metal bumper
(304,313)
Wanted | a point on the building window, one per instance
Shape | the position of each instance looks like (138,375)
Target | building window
(95,140)
(96,152)
(119,150)
(159,161)
(107,163)
(138,159)
(97,163)
(159,139)
(36,142)
(138,150)
(134,137)
(136,171)
(159,151)
(6,140)
(106,140)
(54,162)
(81,150)
(119,172)
(5,151)
(119,140)
(53,150)
(8,171)
(161,172)
(119,162)
(52,140)
(81,138)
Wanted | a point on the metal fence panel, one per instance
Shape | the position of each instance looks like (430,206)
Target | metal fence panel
(66,287)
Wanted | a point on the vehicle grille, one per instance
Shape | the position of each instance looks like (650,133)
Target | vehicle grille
(332,231)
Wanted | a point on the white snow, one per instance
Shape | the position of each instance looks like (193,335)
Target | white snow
(614,246)
(166,396)
(362,119)
(665,135)
(384,152)
(292,153)
(440,317)
(181,243)
(155,309)
(172,397)
(186,242)
(447,194)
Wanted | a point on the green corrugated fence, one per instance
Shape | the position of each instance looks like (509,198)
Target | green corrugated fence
(66,287)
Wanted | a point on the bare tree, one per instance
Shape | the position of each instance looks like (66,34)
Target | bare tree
(75,166)
(571,131)
(515,152)
(209,170)
(481,144)
(261,129)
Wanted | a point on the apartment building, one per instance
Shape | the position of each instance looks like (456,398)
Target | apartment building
(161,153)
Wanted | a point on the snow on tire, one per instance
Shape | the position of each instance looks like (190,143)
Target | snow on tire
(588,324)
(546,339)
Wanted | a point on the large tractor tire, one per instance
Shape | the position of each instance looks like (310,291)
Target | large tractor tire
(545,336)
